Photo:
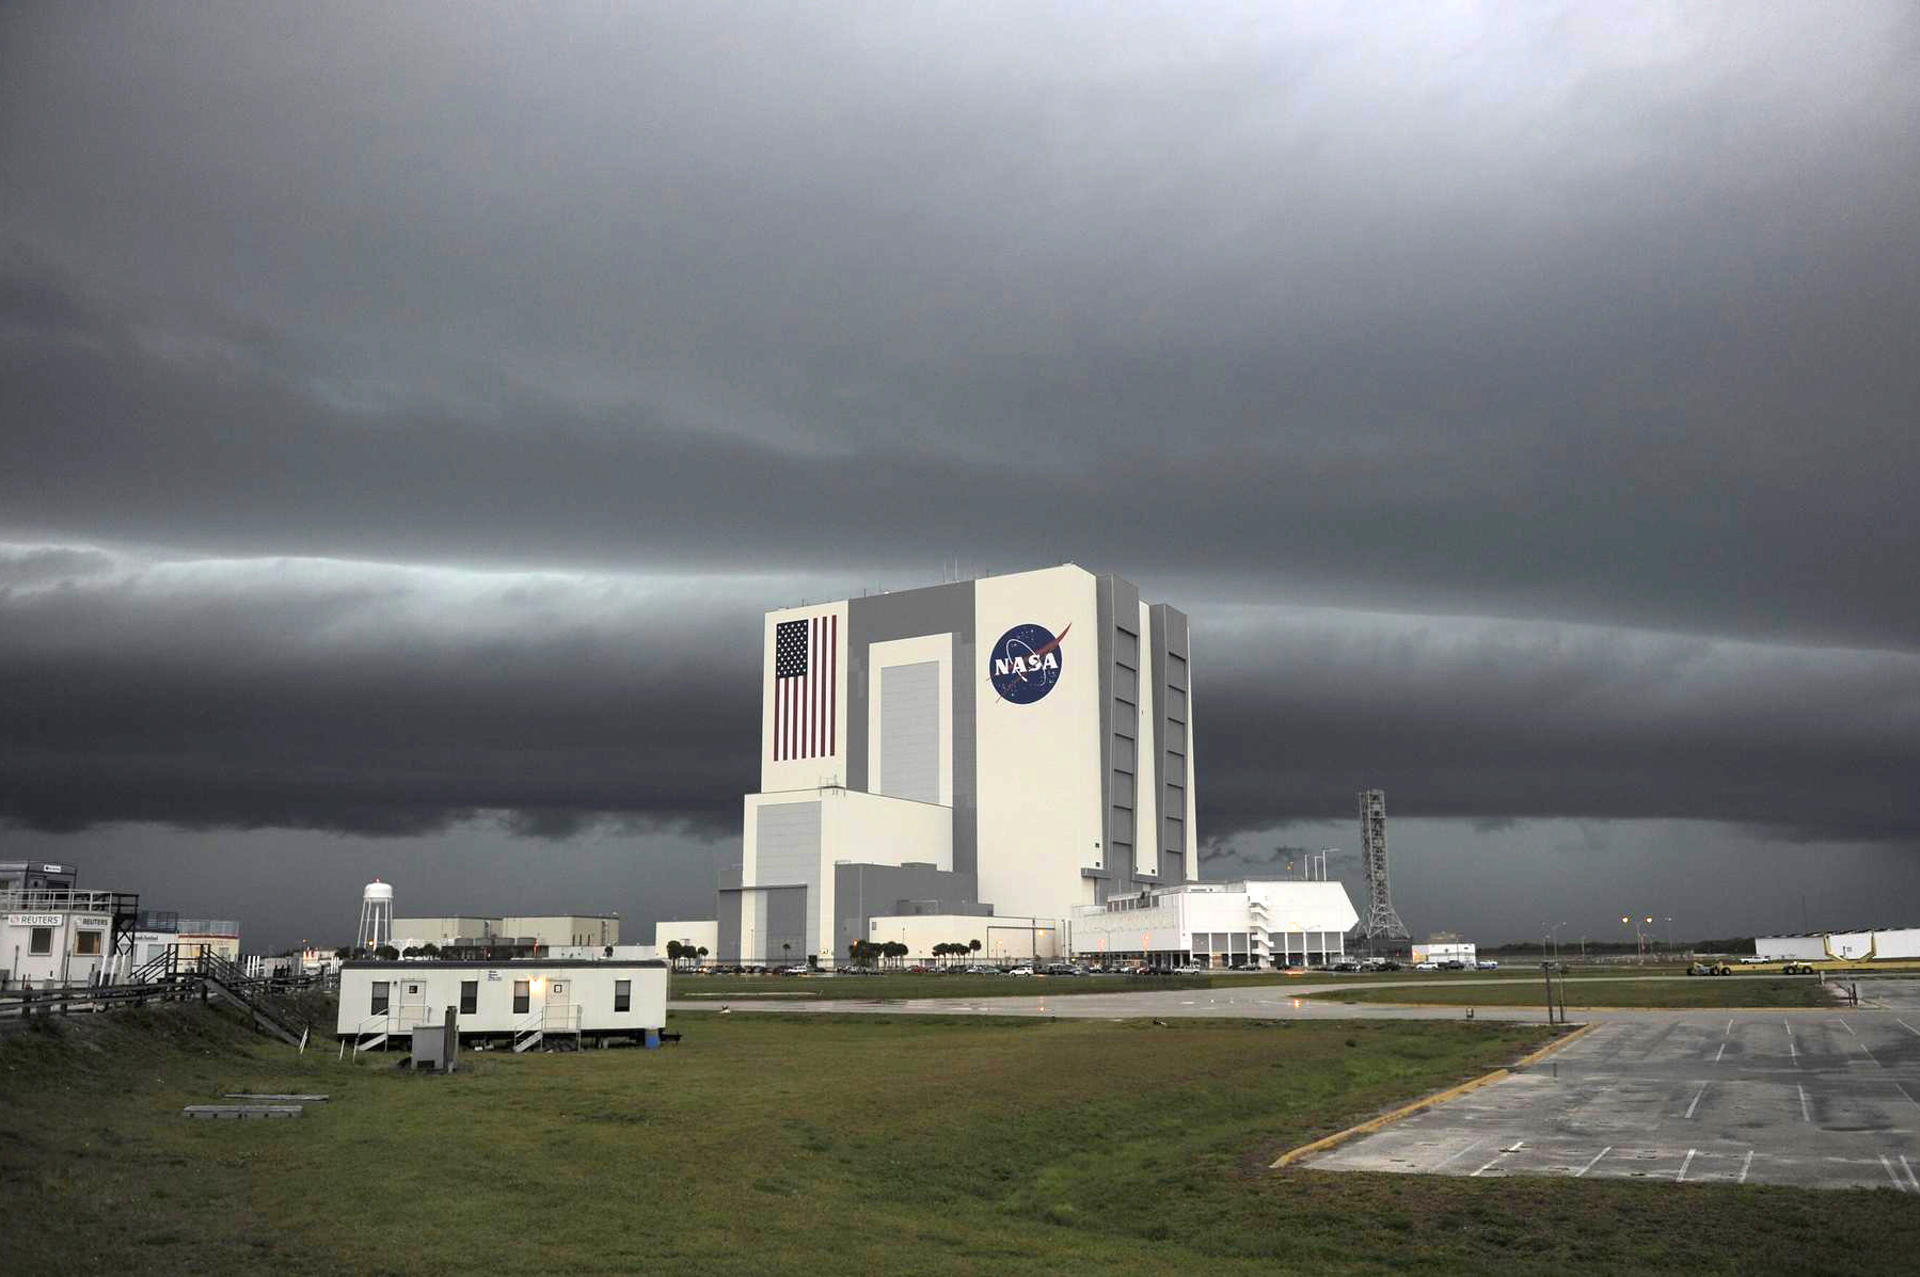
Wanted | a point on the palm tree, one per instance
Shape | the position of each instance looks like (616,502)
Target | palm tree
(786,951)
(673,952)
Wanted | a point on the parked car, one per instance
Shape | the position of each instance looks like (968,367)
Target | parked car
(1021,971)
(1487,964)
(1426,966)
(1453,964)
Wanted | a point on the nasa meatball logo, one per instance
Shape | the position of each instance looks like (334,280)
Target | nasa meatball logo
(1025,664)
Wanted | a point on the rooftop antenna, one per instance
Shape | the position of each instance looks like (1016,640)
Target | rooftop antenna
(1381,923)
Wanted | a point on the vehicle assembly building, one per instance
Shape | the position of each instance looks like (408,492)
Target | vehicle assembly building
(1014,745)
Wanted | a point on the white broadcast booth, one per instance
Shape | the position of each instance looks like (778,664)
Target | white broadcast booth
(521,1001)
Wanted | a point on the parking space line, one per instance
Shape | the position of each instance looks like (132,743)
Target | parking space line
(1518,1145)
(1908,1168)
(1745,1166)
(1893,1174)
(1909,1094)
(1848,1028)
(1908,1027)
(1696,1099)
(1806,1114)
(1717,1054)
(1681,1178)
(1729,1032)
(1595,1162)
(1454,1157)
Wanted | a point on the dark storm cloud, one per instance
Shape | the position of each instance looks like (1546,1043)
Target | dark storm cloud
(374,699)
(1598,316)
(1497,721)
(368,700)
(210,441)
(1596,319)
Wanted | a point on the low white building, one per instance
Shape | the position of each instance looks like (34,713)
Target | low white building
(694,935)
(591,999)
(1219,924)
(602,952)
(61,936)
(1002,940)
(1446,950)
(1848,946)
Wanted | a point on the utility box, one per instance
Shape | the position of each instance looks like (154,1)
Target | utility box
(437,1046)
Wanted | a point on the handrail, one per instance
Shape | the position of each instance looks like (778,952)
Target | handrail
(564,1016)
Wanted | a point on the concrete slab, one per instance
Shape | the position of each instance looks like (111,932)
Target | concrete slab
(1828,1100)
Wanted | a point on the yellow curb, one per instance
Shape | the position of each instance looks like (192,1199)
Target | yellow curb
(1439,1097)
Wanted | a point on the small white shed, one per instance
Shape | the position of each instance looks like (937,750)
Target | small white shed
(506,1001)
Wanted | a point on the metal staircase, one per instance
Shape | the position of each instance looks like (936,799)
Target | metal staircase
(270,1014)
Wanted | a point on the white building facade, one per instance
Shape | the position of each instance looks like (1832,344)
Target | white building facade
(498,999)
(1847,946)
(1020,741)
(1230,924)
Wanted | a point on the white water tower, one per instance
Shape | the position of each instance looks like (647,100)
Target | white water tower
(376,916)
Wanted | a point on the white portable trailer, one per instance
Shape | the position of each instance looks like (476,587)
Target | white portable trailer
(524,1002)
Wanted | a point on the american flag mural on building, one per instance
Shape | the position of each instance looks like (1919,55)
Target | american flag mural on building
(806,670)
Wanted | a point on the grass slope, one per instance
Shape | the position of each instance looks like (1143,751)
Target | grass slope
(855,1144)
(1699,991)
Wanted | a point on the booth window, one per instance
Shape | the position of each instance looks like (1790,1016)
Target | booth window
(41,941)
(623,995)
(469,997)
(86,943)
(379,1006)
(522,997)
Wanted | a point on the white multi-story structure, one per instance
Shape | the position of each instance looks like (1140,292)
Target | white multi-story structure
(1023,741)
(1219,924)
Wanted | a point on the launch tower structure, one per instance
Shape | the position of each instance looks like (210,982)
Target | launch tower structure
(1381,922)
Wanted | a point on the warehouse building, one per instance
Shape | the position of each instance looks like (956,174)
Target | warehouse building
(1018,745)
(528,932)
(1219,924)
(1864,945)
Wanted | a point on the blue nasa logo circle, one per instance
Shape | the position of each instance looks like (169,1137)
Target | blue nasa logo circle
(1026,663)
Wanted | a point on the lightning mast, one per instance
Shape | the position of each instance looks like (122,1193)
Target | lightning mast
(1381,923)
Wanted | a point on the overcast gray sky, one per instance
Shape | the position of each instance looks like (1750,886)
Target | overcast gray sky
(409,411)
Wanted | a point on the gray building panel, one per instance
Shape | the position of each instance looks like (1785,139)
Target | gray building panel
(910,731)
(1118,610)
(787,912)
(861,892)
(881,618)
(1172,673)
(726,907)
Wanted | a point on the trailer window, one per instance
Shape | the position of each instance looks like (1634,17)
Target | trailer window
(86,942)
(469,997)
(41,941)
(379,1004)
(623,995)
(522,997)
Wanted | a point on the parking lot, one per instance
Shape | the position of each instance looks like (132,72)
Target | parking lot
(1816,1099)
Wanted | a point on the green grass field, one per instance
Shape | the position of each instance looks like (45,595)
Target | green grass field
(846,1145)
(1599,991)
